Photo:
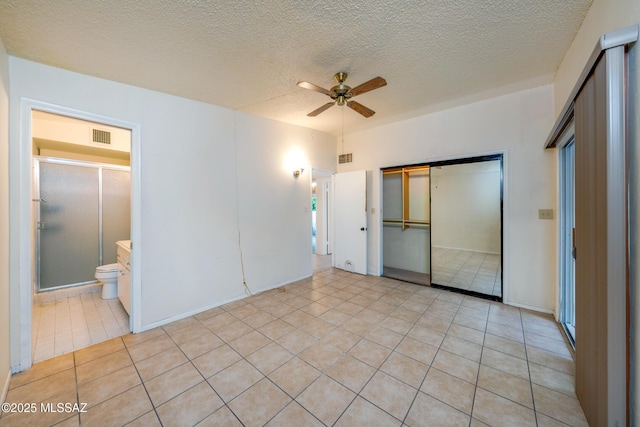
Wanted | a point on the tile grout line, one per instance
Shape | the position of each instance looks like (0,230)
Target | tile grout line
(531,383)
(309,290)
(224,402)
(141,383)
(526,354)
(358,394)
(430,364)
(484,339)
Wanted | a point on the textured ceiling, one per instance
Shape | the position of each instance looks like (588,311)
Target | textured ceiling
(249,55)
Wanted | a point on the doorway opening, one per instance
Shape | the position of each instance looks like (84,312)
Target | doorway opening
(320,208)
(320,220)
(81,206)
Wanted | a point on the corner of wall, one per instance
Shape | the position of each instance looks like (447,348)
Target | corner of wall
(5,347)
(5,388)
(634,233)
(603,16)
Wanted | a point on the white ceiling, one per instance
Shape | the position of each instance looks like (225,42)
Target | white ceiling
(248,55)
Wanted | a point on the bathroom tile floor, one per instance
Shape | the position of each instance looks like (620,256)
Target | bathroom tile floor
(72,323)
(335,349)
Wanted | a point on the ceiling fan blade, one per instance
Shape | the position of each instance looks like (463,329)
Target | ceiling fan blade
(356,106)
(314,88)
(372,84)
(321,109)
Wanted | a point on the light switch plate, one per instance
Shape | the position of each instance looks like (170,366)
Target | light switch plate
(545,213)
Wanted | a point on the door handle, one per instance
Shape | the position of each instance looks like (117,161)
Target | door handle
(363,228)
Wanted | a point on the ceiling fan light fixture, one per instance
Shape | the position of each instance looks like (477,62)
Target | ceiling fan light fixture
(341,94)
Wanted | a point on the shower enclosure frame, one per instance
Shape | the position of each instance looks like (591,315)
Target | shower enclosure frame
(37,224)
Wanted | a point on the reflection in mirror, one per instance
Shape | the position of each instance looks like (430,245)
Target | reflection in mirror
(466,220)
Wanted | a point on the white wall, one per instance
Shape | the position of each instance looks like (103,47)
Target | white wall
(215,184)
(516,124)
(275,207)
(5,354)
(465,206)
(407,249)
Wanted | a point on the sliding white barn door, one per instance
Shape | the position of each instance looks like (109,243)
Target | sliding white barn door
(350,221)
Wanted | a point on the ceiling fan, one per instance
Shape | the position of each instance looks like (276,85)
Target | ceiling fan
(341,94)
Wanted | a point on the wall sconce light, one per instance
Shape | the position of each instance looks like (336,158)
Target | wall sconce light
(298,172)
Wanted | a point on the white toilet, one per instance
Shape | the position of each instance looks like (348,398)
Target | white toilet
(108,275)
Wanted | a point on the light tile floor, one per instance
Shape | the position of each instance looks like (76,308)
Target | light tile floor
(336,349)
(473,271)
(67,324)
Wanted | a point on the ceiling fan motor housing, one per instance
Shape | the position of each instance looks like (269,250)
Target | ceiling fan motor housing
(341,92)
(340,77)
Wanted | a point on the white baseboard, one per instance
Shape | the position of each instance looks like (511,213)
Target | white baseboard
(5,388)
(217,304)
(531,307)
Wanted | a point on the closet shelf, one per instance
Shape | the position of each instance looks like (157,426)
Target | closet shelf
(408,187)
(406,223)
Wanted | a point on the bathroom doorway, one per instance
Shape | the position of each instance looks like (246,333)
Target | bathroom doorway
(81,205)
(320,221)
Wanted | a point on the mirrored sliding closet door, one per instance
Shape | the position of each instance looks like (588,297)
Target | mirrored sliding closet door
(466,225)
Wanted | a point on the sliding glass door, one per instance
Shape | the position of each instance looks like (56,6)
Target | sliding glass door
(567,239)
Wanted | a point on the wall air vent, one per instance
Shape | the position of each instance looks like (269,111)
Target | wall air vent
(345,158)
(101,136)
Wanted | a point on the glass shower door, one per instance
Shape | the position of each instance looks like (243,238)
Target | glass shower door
(67,224)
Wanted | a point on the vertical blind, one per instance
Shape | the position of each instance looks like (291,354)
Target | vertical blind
(597,107)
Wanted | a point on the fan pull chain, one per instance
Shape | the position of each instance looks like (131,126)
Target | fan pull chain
(342,150)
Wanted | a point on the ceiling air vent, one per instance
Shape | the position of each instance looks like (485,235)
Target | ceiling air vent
(101,136)
(345,158)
